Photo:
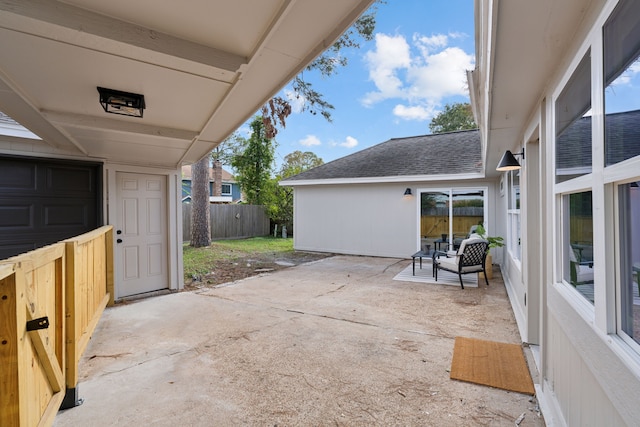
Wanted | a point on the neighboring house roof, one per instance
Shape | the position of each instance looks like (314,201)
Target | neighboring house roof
(446,154)
(9,127)
(226,176)
(7,120)
(622,132)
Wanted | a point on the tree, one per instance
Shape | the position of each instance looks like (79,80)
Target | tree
(200,216)
(455,117)
(298,162)
(254,164)
(277,109)
(280,204)
(222,154)
(229,148)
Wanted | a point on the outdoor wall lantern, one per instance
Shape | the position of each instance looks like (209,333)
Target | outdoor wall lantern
(123,103)
(509,162)
(407,192)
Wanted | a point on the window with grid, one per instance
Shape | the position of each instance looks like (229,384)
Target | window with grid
(621,68)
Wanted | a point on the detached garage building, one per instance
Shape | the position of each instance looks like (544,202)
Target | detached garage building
(357,204)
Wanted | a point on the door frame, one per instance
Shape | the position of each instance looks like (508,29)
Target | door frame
(450,189)
(532,249)
(173,215)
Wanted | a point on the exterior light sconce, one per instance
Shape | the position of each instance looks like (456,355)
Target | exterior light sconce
(509,162)
(123,103)
(407,192)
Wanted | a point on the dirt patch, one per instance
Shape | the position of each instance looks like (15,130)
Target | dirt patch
(247,266)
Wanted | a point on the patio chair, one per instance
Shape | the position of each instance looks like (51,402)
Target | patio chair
(581,270)
(469,258)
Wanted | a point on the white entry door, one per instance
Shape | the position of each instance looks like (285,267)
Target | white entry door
(141,234)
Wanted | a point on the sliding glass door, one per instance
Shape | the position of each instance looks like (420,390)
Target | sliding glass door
(448,216)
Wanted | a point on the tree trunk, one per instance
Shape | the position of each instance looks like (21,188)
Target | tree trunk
(200,216)
(217,178)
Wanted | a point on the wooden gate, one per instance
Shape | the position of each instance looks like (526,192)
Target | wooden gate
(50,302)
(32,354)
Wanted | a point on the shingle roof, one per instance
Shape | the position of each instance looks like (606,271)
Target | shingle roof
(446,153)
(622,131)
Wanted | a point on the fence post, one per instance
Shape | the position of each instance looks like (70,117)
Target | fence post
(10,402)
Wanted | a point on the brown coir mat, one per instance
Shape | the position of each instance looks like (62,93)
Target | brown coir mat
(491,363)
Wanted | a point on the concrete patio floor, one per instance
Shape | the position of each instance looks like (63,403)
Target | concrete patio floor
(332,342)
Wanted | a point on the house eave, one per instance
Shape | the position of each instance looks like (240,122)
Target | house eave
(382,180)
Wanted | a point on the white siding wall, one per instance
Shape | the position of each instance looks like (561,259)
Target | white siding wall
(591,383)
(366,219)
(590,376)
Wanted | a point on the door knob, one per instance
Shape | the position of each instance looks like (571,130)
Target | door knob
(119,241)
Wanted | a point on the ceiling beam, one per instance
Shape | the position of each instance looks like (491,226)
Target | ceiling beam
(19,108)
(121,126)
(79,27)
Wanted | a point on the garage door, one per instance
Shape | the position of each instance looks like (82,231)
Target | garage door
(44,201)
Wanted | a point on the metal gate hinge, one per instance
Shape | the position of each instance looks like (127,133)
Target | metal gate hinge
(39,323)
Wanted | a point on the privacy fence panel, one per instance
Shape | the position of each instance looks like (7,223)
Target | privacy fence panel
(50,301)
(231,221)
(435,221)
(32,332)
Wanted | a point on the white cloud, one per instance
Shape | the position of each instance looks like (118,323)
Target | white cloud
(349,142)
(629,75)
(442,75)
(412,113)
(428,44)
(392,53)
(310,141)
(421,77)
(296,101)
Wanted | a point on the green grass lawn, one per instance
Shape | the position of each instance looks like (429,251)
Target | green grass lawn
(199,261)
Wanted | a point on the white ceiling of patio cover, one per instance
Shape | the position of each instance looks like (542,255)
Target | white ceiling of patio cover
(204,67)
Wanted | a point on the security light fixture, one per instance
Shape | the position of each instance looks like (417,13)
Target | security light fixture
(123,103)
(509,162)
(407,192)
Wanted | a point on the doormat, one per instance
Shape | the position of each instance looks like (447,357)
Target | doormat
(491,363)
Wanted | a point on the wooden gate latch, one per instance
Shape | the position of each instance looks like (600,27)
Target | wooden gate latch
(39,323)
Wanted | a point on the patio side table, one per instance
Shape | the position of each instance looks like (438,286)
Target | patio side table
(420,255)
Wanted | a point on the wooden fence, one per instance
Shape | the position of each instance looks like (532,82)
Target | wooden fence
(434,227)
(50,301)
(230,221)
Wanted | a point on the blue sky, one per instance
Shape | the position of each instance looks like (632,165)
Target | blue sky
(393,85)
